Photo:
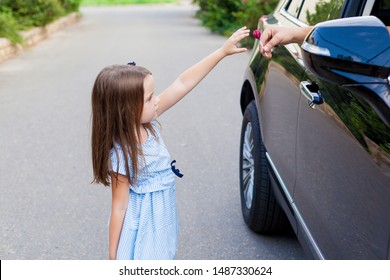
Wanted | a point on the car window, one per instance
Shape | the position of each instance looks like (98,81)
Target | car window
(293,7)
(314,11)
(322,11)
(381,10)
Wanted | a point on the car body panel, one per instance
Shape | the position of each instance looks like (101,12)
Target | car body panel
(330,164)
(338,181)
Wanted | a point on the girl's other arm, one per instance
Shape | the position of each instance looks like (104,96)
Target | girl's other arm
(193,75)
(120,201)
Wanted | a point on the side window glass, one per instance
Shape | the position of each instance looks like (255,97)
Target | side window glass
(313,12)
(381,10)
(294,7)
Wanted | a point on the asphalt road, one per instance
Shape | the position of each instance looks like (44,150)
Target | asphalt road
(50,210)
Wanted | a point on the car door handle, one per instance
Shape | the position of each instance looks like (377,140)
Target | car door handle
(312,92)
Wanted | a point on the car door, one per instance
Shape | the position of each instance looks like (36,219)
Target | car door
(343,172)
(278,100)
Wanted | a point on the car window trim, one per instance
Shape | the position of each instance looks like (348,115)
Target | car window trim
(350,8)
(357,8)
(290,17)
(368,7)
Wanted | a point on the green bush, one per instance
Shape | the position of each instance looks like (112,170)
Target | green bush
(25,14)
(225,16)
(219,15)
(70,5)
(31,13)
(9,26)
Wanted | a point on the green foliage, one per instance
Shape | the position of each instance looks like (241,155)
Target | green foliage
(70,6)
(225,16)
(218,15)
(250,13)
(325,11)
(9,26)
(34,12)
(124,2)
(24,14)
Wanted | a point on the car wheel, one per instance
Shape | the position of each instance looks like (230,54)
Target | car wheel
(260,209)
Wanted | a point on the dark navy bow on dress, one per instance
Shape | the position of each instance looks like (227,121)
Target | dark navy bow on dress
(175,170)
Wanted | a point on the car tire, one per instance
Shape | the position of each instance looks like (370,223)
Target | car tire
(260,209)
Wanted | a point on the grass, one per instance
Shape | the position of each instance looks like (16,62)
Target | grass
(124,2)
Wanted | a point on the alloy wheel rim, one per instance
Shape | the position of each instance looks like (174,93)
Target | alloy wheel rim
(248,170)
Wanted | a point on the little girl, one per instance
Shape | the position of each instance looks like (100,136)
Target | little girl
(129,153)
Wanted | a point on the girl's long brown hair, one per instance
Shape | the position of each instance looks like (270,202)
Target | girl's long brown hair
(117,104)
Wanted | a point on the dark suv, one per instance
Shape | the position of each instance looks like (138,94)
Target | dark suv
(315,140)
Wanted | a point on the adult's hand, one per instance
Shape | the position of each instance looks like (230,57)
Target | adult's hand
(280,35)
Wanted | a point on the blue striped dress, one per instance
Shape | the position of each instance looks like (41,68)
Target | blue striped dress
(150,226)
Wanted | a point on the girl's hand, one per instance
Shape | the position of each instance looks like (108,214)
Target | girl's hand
(230,46)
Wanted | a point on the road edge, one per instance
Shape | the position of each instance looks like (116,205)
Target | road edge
(33,36)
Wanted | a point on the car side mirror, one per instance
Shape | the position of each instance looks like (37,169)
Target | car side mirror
(349,50)
(355,54)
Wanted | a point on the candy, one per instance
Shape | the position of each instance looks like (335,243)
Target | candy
(256,33)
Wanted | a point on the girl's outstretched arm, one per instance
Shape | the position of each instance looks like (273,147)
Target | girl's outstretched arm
(193,75)
(120,201)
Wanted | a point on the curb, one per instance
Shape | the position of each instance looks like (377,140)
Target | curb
(35,35)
